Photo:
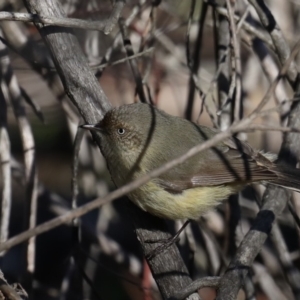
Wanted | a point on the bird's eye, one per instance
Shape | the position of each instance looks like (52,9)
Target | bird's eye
(121,131)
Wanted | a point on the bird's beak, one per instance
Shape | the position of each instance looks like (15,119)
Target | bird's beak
(91,127)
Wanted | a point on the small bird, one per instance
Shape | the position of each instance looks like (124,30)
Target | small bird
(138,138)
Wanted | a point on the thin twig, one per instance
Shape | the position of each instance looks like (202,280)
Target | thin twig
(194,64)
(281,46)
(237,69)
(223,79)
(133,63)
(6,171)
(270,69)
(105,26)
(272,87)
(28,149)
(77,142)
(114,17)
(267,283)
(263,127)
(46,20)
(208,235)
(245,25)
(213,81)
(6,290)
(150,41)
(35,107)
(117,39)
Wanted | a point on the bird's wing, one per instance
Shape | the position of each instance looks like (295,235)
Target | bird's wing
(230,162)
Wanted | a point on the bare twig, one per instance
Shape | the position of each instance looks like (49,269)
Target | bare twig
(106,26)
(267,283)
(283,70)
(87,96)
(278,39)
(6,290)
(117,40)
(209,237)
(47,20)
(150,41)
(263,127)
(216,76)
(22,44)
(279,106)
(123,60)
(245,25)
(133,63)
(28,149)
(77,142)
(236,69)
(6,192)
(271,71)
(6,171)
(269,66)
(114,17)
(35,107)
(223,54)
(194,63)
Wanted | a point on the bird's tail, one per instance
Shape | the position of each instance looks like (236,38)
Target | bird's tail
(288,177)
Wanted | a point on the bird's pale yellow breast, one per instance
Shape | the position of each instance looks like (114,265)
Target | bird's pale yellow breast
(190,204)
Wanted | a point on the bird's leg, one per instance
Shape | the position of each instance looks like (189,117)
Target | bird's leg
(166,243)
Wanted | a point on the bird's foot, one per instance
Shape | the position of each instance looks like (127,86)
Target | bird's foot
(165,244)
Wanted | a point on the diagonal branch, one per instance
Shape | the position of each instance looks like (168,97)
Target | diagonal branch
(106,26)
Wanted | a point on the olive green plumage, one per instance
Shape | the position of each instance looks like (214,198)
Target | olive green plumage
(138,138)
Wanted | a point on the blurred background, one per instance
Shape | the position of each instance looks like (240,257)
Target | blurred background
(164,36)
